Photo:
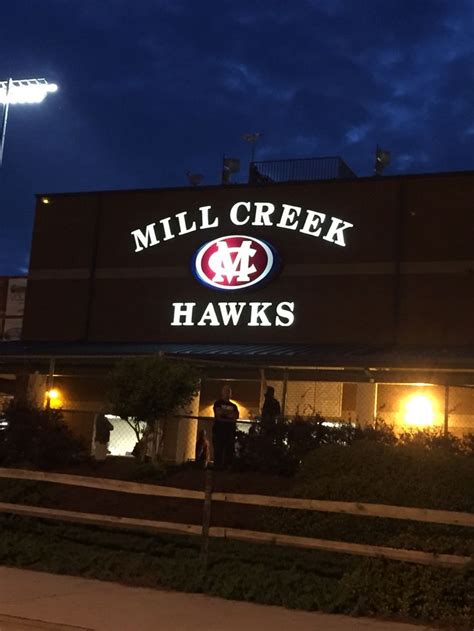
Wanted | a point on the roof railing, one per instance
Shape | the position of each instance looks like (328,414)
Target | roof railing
(300,169)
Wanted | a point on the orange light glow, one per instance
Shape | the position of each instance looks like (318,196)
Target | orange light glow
(53,398)
(419,411)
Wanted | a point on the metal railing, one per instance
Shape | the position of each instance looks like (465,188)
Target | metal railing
(301,169)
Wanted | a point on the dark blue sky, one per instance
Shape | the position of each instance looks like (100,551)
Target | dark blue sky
(152,88)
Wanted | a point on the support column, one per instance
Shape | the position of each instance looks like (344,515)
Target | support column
(446,410)
(179,437)
(263,385)
(366,403)
(37,386)
(285,391)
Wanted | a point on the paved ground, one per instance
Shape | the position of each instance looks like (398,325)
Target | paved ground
(35,601)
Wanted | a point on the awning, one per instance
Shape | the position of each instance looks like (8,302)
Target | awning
(277,355)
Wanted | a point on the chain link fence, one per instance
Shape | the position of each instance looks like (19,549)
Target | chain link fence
(123,438)
(461,410)
(440,408)
(404,406)
(308,398)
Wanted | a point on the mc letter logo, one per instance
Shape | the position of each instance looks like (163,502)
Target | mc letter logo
(234,262)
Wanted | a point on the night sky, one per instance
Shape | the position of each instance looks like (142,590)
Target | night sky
(152,88)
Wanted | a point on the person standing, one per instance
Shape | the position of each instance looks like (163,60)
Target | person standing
(202,449)
(103,427)
(270,411)
(226,414)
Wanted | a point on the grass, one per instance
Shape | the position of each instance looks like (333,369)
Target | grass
(300,579)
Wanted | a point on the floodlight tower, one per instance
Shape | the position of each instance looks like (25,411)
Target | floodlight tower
(19,91)
(252,139)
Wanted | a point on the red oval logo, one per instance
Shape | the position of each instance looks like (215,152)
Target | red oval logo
(234,262)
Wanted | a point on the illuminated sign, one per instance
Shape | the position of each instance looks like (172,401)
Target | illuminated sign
(233,314)
(234,262)
(259,214)
(237,261)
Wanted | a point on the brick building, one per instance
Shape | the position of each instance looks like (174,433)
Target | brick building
(352,296)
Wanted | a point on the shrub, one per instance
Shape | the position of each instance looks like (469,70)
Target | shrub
(37,437)
(153,471)
(378,431)
(432,439)
(290,441)
(282,449)
(406,474)
(468,444)
(258,451)
(414,592)
(300,579)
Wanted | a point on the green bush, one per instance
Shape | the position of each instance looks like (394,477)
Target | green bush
(437,439)
(281,448)
(22,491)
(153,471)
(415,592)
(300,579)
(409,473)
(377,531)
(402,474)
(37,437)
(468,444)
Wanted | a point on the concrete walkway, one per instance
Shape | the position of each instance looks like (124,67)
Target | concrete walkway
(36,601)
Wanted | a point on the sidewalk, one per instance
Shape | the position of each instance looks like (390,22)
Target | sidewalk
(43,601)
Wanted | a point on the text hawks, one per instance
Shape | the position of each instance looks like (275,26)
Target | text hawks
(233,314)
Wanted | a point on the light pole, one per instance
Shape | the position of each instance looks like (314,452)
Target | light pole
(252,140)
(20,91)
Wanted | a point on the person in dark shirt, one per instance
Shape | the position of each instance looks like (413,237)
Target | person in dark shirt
(103,427)
(270,411)
(226,414)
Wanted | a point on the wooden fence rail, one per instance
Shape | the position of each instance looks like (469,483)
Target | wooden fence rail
(362,509)
(451,518)
(104,484)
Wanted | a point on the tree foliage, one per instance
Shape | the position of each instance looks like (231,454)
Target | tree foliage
(150,388)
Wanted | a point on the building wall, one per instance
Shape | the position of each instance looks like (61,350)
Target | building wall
(404,277)
(82,396)
(12,304)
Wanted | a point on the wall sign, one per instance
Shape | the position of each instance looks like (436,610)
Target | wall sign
(233,314)
(262,214)
(234,262)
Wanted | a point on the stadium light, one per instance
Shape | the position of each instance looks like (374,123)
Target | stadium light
(252,139)
(19,92)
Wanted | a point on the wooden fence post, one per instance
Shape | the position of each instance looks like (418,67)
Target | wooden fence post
(206,518)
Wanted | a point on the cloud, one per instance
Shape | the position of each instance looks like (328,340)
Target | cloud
(150,87)
(240,77)
(357,133)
